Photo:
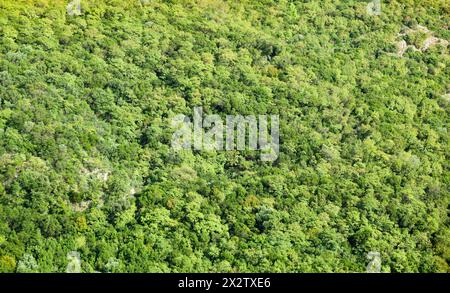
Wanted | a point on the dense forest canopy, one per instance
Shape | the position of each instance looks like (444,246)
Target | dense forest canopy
(87,173)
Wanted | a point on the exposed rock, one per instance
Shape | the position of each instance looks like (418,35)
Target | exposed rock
(402,46)
(431,40)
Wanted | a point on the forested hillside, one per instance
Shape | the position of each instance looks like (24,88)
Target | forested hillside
(87,169)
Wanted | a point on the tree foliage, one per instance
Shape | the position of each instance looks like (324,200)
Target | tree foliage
(85,157)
